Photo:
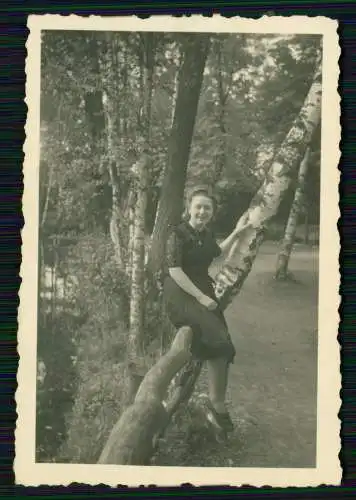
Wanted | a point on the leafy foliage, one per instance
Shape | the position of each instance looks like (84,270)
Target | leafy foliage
(253,87)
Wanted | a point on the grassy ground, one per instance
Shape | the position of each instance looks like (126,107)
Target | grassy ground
(272,385)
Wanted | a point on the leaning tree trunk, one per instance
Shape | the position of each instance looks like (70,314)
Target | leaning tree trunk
(171,201)
(265,203)
(133,439)
(289,235)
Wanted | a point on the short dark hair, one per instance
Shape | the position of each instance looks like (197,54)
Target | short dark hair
(203,190)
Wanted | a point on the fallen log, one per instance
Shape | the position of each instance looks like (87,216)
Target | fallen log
(183,386)
(133,438)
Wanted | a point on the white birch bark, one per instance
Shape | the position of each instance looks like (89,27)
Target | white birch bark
(265,203)
(141,170)
(289,235)
(106,61)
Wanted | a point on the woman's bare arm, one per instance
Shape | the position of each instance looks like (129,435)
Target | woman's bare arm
(228,242)
(182,280)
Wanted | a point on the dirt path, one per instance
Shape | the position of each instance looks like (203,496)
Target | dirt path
(272,386)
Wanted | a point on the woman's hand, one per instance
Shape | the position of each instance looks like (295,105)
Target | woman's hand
(207,302)
(226,245)
(239,229)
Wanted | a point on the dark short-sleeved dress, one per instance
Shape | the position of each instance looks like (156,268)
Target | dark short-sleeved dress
(194,252)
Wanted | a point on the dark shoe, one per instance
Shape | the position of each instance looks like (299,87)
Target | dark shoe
(222,420)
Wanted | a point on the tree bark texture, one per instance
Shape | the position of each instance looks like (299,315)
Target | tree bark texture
(289,235)
(306,226)
(265,203)
(130,214)
(108,74)
(171,201)
(141,171)
(175,86)
(223,95)
(132,440)
(135,354)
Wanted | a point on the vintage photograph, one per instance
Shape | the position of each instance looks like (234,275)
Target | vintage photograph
(179,194)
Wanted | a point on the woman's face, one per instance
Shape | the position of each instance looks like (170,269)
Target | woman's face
(201,210)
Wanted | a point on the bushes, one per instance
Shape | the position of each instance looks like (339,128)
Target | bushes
(101,348)
(96,409)
(56,386)
(86,355)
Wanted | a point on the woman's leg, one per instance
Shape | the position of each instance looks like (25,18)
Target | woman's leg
(218,377)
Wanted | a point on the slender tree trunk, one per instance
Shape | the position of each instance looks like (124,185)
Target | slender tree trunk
(306,226)
(131,222)
(48,195)
(125,90)
(115,217)
(171,201)
(222,93)
(106,65)
(289,235)
(42,284)
(51,171)
(120,100)
(175,87)
(178,62)
(135,352)
(265,203)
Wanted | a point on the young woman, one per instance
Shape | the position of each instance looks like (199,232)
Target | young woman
(190,298)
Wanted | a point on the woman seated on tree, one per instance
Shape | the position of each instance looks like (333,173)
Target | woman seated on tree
(190,297)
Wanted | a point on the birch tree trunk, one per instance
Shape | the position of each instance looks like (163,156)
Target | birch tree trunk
(178,64)
(107,72)
(306,226)
(171,201)
(135,353)
(223,94)
(130,213)
(175,86)
(289,235)
(265,203)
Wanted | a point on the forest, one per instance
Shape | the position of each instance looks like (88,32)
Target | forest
(129,121)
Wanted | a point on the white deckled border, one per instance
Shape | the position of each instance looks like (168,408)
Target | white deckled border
(328,469)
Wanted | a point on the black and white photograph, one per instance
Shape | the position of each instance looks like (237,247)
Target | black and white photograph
(179,298)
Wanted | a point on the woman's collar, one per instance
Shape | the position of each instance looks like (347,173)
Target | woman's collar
(194,230)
